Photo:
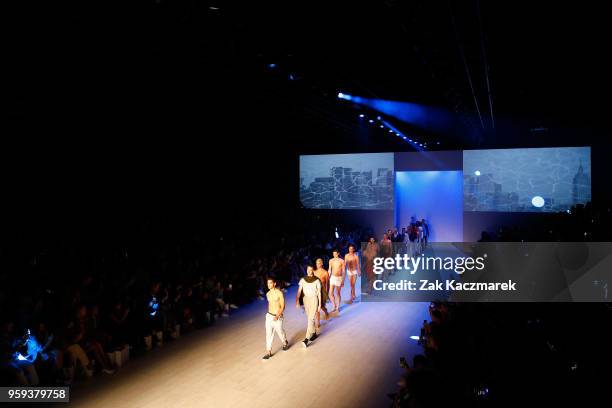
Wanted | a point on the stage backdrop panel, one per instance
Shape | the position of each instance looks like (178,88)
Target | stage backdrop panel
(425,160)
(436,196)
(526,180)
(347,181)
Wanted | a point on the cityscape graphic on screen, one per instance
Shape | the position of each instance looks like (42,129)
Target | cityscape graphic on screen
(526,180)
(347,181)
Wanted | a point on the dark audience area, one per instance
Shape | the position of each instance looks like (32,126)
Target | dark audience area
(479,354)
(83,306)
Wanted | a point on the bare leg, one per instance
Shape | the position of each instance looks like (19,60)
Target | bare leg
(100,356)
(353,280)
(77,353)
(339,296)
(332,298)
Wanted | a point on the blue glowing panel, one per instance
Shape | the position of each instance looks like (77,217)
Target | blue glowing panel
(437,197)
(347,181)
(526,180)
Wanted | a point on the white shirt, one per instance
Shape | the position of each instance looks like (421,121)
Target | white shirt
(310,289)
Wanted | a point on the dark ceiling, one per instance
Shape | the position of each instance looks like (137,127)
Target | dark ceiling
(136,99)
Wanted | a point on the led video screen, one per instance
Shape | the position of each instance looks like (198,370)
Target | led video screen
(347,181)
(526,180)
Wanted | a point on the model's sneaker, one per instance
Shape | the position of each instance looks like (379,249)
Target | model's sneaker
(286,346)
(267,356)
(305,343)
(314,337)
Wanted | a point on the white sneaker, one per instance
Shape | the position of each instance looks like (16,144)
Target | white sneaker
(233,306)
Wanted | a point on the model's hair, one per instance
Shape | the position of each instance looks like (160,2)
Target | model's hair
(335,250)
(271,278)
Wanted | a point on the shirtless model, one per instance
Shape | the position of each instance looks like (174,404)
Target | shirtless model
(353,268)
(370,252)
(323,276)
(274,318)
(336,279)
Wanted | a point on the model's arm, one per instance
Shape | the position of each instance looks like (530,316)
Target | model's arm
(297,297)
(319,295)
(358,267)
(327,280)
(281,305)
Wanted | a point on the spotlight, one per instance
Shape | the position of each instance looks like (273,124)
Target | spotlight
(415,337)
(378,118)
(390,131)
(477,172)
(371,121)
(361,115)
(272,65)
(340,95)
(381,126)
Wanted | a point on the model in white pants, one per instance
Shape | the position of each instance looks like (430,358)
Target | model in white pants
(274,326)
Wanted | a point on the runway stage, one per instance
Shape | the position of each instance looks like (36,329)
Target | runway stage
(353,363)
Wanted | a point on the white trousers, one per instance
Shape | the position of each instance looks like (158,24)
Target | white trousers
(311,304)
(274,326)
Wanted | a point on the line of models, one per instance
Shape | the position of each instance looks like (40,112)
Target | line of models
(314,287)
